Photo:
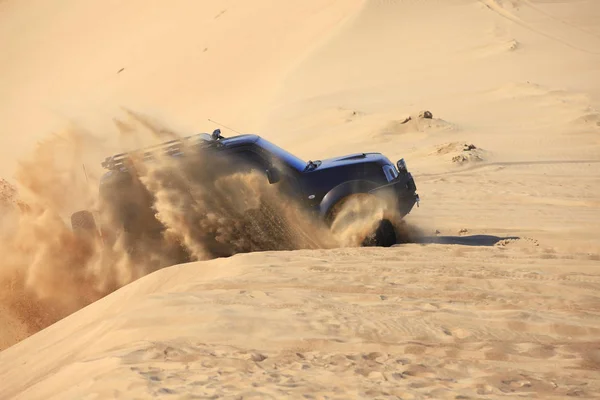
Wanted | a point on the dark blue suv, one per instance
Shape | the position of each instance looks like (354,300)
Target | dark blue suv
(319,186)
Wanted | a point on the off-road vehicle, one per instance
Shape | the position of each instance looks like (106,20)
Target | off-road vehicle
(318,186)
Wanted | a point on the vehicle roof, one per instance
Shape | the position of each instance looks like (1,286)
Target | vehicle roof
(240,140)
(175,147)
(275,151)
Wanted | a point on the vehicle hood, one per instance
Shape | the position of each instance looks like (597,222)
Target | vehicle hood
(351,159)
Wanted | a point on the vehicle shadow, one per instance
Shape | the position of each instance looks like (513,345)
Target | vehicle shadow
(472,240)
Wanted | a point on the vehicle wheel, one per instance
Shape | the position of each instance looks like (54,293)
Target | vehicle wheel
(384,235)
(359,220)
(84,224)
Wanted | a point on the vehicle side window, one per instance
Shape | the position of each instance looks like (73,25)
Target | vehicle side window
(247,160)
(390,172)
(371,171)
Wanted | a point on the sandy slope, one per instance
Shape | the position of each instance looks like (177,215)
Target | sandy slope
(408,322)
(509,307)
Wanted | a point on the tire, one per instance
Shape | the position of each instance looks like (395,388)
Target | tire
(83,221)
(83,224)
(384,234)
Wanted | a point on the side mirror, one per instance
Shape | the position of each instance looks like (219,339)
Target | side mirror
(401,164)
(273,175)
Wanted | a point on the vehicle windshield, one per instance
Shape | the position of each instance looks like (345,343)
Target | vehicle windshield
(282,155)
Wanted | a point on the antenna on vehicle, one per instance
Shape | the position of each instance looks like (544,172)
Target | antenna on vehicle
(226,127)
(85,173)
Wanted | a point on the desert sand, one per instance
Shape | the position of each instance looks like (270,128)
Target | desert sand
(498,296)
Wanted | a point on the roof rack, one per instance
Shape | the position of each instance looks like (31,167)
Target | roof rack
(173,147)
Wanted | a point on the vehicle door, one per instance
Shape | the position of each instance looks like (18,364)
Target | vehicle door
(260,160)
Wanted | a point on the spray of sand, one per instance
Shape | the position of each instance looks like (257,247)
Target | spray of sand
(171,211)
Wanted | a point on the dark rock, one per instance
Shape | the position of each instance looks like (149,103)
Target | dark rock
(257,357)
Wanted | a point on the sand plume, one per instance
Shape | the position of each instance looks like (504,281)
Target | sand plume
(169,211)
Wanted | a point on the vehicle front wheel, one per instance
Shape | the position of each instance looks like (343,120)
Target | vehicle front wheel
(384,235)
(360,219)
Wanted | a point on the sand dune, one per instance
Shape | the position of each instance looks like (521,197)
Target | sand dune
(413,321)
(497,297)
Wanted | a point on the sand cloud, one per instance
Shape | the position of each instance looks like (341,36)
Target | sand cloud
(172,211)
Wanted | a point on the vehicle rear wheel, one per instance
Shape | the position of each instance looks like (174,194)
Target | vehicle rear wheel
(84,224)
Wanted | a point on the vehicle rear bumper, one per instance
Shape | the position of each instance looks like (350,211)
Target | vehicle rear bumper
(402,191)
